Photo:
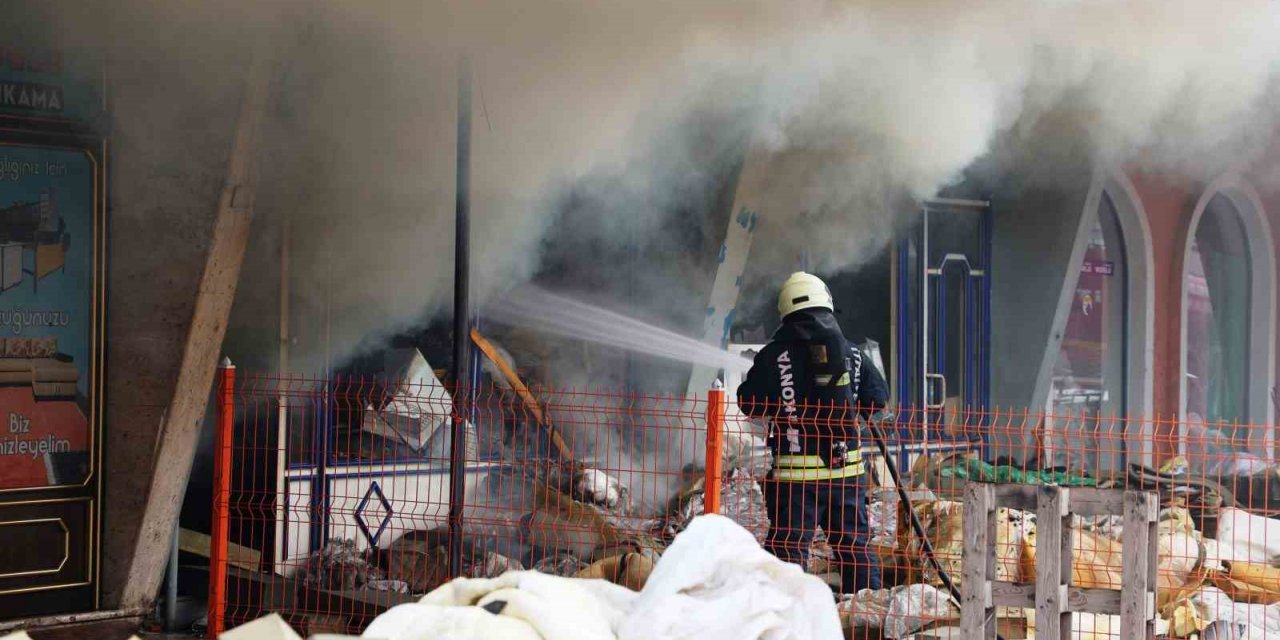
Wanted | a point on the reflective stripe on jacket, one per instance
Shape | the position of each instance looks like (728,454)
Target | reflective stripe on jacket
(814,468)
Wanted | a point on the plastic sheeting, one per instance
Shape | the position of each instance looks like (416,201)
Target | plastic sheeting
(715,581)
(1258,620)
(1213,454)
(1004,474)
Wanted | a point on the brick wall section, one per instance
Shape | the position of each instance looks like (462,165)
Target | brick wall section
(1169,206)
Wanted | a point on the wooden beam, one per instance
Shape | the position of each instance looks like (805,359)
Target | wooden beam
(198,543)
(1137,596)
(976,607)
(530,402)
(1053,564)
(180,430)
(1091,501)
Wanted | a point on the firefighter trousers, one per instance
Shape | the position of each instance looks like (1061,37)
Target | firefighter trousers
(839,506)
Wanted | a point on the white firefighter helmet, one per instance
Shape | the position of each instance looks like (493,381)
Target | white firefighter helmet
(804,291)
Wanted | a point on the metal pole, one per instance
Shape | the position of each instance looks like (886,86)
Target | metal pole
(924,329)
(282,400)
(171,584)
(461,321)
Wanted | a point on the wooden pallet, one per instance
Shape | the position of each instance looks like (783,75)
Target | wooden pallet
(1051,596)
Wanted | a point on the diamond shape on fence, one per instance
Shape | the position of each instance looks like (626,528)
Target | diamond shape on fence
(374,490)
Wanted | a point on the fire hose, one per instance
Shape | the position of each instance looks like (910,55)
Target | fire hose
(873,425)
(930,555)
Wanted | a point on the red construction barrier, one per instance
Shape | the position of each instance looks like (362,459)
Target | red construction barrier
(222,452)
(339,496)
(715,448)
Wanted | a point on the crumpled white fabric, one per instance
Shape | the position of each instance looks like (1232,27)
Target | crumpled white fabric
(715,582)
(417,621)
(535,606)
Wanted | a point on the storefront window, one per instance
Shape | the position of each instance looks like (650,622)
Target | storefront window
(1088,385)
(1218,303)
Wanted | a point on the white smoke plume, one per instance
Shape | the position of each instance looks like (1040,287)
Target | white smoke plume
(644,107)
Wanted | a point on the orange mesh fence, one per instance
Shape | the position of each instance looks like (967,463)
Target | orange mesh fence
(340,495)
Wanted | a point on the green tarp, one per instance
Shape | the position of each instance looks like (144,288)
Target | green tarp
(983,472)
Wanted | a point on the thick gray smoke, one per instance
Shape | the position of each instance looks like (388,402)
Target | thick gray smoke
(867,102)
(645,107)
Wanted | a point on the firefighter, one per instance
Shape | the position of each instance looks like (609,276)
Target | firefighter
(810,384)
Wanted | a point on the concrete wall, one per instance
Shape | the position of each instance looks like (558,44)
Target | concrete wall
(164,180)
(168,133)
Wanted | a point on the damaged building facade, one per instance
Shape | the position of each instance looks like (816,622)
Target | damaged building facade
(1105,293)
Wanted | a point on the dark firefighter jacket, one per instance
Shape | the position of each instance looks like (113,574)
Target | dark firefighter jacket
(811,384)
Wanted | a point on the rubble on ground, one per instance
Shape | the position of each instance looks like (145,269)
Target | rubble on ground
(1224,585)
(898,611)
(747,462)
(414,563)
(696,591)
(560,564)
(582,483)
(338,566)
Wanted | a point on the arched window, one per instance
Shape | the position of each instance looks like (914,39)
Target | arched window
(1089,375)
(1218,304)
(1089,383)
(1228,324)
